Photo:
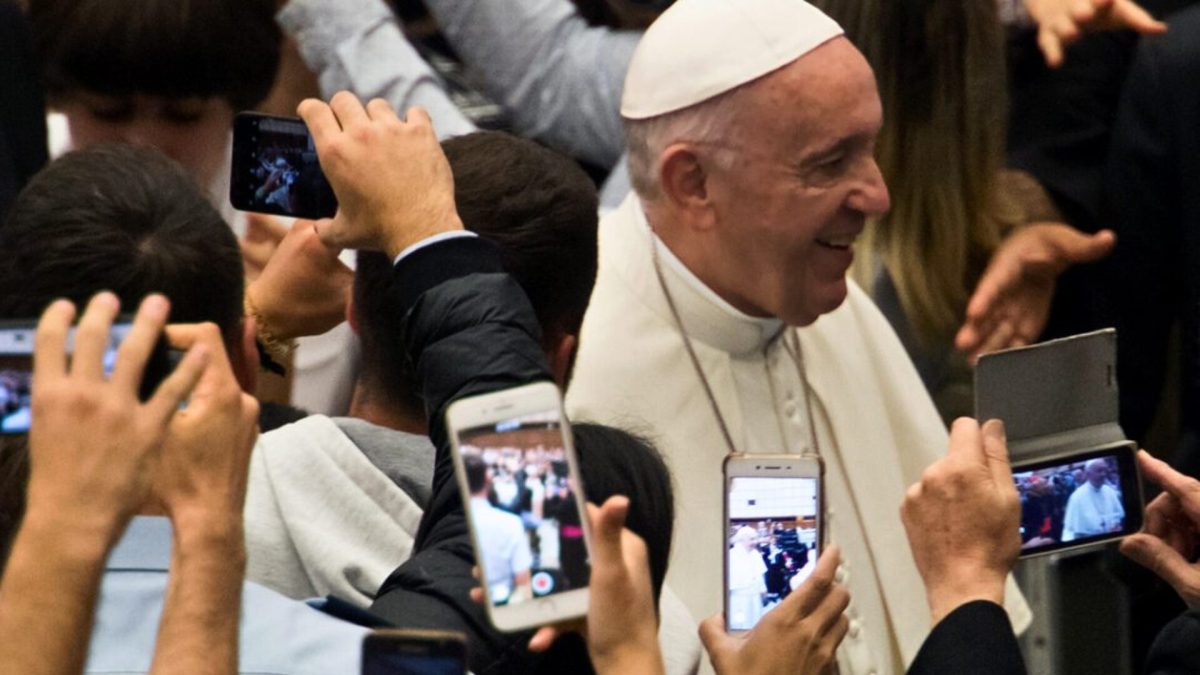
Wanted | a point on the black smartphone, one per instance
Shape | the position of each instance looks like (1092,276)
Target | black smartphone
(414,652)
(275,169)
(1079,499)
(16,368)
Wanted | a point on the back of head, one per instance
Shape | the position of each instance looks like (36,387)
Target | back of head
(209,48)
(123,219)
(539,207)
(941,72)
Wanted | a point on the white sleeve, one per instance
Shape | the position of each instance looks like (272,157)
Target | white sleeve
(560,79)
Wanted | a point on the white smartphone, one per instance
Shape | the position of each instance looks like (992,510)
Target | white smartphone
(774,506)
(519,479)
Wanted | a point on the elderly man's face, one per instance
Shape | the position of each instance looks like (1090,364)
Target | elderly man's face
(802,183)
(1097,473)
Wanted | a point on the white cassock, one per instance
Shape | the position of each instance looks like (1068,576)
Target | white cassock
(747,584)
(1092,511)
(875,424)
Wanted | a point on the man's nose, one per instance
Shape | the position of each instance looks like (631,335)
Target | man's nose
(871,197)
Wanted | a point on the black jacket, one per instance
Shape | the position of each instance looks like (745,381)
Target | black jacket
(1154,207)
(975,638)
(468,329)
(22,109)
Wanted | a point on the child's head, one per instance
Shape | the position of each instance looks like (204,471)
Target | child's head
(167,73)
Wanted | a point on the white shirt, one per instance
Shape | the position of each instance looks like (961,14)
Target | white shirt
(1092,511)
(504,546)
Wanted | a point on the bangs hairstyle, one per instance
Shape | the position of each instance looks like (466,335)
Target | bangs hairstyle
(171,48)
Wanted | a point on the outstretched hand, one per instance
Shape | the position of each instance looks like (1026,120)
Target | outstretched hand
(1061,22)
(1011,302)
(393,183)
(303,289)
(1167,543)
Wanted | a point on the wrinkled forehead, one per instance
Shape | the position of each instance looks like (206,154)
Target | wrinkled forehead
(829,93)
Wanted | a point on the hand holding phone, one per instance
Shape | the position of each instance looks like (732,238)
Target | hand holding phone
(91,435)
(393,181)
(517,472)
(962,519)
(1167,543)
(773,516)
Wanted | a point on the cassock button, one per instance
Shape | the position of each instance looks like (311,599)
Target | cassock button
(842,574)
(855,628)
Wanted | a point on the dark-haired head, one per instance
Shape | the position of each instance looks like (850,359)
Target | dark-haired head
(123,219)
(540,208)
(225,49)
(157,72)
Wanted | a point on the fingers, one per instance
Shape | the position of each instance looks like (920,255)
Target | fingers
(91,336)
(713,635)
(321,122)
(1001,337)
(543,638)
(219,373)
(1184,488)
(812,592)
(50,342)
(607,523)
(966,441)
(416,115)
(995,448)
(380,110)
(348,109)
(174,390)
(1051,46)
(1156,556)
(140,342)
(1131,15)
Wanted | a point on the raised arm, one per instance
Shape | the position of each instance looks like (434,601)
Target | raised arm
(93,451)
(559,78)
(358,46)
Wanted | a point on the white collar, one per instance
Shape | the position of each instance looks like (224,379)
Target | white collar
(707,316)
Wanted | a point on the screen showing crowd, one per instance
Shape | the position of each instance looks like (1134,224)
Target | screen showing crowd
(772,542)
(16,372)
(284,174)
(1070,502)
(522,508)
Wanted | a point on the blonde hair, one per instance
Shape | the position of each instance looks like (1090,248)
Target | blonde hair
(940,67)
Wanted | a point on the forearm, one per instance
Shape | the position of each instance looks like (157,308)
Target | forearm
(198,632)
(559,78)
(49,591)
(357,45)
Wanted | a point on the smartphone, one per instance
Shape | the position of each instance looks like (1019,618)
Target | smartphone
(17,340)
(1079,499)
(275,169)
(519,478)
(414,652)
(774,506)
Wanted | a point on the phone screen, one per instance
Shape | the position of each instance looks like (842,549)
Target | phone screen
(275,169)
(523,508)
(411,664)
(1084,498)
(16,370)
(772,542)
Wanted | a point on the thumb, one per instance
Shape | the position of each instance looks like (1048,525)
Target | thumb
(713,635)
(607,522)
(1155,555)
(1077,247)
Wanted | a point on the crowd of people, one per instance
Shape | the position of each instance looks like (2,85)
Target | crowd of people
(670,229)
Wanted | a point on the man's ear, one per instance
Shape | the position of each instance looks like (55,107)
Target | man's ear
(561,353)
(245,359)
(683,179)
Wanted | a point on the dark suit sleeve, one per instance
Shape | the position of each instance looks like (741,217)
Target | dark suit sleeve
(22,108)
(467,329)
(1176,650)
(976,638)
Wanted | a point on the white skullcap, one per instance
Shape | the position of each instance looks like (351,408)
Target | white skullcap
(698,49)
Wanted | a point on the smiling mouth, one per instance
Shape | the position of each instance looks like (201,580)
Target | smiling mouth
(842,243)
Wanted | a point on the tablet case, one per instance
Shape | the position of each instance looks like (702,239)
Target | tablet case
(1053,397)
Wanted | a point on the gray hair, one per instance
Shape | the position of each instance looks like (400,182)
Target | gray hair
(710,121)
